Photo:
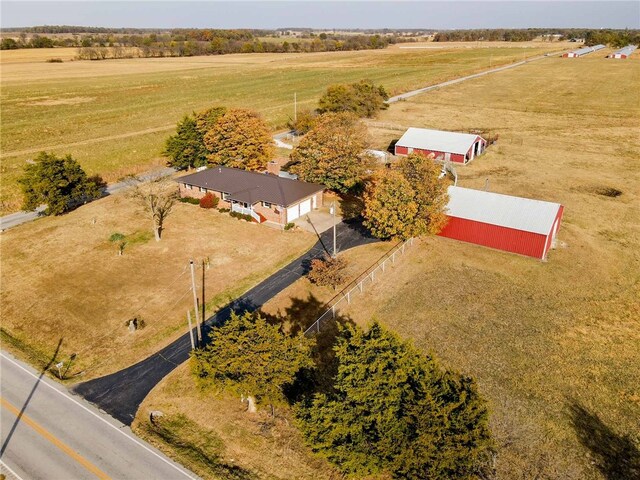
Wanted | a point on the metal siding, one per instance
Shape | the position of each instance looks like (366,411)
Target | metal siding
(401,150)
(493,236)
(550,235)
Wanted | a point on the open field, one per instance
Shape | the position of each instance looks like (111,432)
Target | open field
(113,116)
(62,279)
(554,346)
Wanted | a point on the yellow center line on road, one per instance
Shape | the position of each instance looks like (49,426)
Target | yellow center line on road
(57,443)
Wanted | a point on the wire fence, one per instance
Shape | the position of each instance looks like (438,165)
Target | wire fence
(357,286)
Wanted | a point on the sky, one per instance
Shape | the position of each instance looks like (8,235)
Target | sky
(450,14)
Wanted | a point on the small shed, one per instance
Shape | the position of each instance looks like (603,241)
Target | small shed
(623,52)
(447,146)
(504,222)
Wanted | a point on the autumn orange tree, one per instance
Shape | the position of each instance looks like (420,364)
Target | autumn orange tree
(406,200)
(333,153)
(240,139)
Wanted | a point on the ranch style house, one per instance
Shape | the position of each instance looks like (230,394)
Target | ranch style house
(265,197)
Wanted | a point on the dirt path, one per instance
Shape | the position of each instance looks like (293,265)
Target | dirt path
(87,142)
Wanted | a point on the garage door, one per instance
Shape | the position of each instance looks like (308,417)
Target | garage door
(305,207)
(292,213)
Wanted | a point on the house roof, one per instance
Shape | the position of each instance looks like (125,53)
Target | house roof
(519,213)
(437,140)
(252,187)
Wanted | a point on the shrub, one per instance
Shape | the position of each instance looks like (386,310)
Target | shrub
(241,216)
(209,201)
(289,226)
(224,210)
(54,60)
(120,240)
(191,200)
(328,271)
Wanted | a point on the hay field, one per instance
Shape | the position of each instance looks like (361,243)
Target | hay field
(554,346)
(62,279)
(113,116)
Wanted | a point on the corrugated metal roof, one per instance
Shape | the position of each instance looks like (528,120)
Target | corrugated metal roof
(628,50)
(252,187)
(585,50)
(524,214)
(437,140)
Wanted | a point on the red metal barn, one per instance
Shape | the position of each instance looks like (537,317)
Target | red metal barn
(449,146)
(513,224)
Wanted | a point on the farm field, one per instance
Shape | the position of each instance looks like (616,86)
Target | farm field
(554,346)
(113,116)
(63,280)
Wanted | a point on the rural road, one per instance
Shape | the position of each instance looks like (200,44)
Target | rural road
(47,433)
(15,219)
(121,393)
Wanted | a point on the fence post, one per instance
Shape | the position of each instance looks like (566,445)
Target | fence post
(333,310)
(373,276)
(403,248)
(349,297)
(360,285)
(383,264)
(318,325)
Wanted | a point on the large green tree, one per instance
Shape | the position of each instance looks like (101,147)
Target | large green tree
(59,183)
(406,200)
(187,149)
(333,153)
(363,99)
(240,139)
(249,357)
(395,411)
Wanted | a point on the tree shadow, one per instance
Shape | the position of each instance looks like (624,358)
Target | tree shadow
(351,206)
(616,456)
(392,146)
(29,397)
(296,319)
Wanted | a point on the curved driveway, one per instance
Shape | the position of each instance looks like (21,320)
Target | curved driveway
(121,393)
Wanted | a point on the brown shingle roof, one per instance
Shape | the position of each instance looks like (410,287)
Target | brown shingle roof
(252,187)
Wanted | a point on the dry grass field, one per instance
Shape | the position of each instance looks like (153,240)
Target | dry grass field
(62,278)
(113,116)
(554,346)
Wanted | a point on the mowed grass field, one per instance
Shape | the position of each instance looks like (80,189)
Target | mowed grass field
(63,280)
(114,116)
(554,346)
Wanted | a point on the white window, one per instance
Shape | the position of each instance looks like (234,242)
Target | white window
(202,189)
(187,186)
(225,196)
(266,204)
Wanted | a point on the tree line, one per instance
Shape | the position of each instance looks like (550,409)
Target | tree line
(615,38)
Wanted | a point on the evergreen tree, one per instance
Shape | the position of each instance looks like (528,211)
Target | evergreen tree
(60,183)
(240,139)
(186,148)
(394,411)
(333,152)
(249,357)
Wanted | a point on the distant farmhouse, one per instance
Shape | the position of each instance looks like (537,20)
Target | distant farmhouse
(265,197)
(448,146)
(582,51)
(513,224)
(623,52)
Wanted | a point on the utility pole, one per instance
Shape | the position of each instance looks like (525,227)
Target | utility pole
(195,300)
(333,214)
(295,107)
(193,345)
(204,305)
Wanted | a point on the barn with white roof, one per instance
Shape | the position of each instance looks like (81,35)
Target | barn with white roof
(513,224)
(448,146)
(623,52)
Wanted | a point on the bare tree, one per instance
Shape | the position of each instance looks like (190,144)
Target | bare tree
(157,196)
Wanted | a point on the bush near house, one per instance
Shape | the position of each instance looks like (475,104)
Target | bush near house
(209,201)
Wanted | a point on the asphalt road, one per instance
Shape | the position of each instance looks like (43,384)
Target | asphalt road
(18,218)
(121,393)
(48,434)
